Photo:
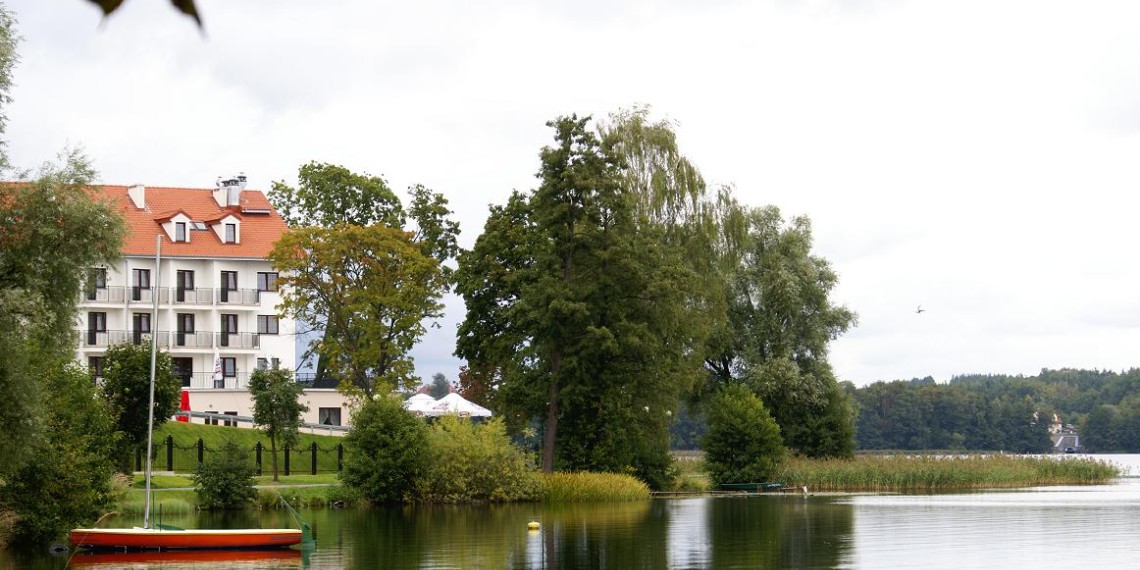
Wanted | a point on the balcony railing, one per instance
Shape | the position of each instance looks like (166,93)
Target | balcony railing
(172,339)
(206,380)
(239,340)
(175,295)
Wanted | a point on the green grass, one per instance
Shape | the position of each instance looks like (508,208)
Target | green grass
(932,473)
(584,487)
(186,436)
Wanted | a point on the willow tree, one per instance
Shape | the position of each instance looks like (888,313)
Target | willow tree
(783,320)
(576,312)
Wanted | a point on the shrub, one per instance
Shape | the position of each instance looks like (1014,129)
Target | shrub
(226,480)
(470,461)
(386,450)
(743,443)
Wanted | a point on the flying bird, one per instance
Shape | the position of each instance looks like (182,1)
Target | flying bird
(920,309)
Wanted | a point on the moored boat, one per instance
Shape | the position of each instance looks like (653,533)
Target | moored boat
(163,539)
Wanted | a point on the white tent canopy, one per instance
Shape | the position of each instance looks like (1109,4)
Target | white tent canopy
(419,404)
(424,405)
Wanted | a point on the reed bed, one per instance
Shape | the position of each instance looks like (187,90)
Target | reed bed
(932,473)
(584,487)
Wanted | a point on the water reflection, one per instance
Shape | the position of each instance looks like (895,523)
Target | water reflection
(1092,526)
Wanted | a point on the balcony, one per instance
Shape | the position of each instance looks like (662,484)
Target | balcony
(173,295)
(239,340)
(206,381)
(171,340)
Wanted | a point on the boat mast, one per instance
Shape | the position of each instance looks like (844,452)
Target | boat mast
(153,359)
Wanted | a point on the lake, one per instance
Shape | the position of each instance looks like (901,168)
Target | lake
(1054,527)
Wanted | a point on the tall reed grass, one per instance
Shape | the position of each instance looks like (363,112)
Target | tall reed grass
(930,473)
(585,487)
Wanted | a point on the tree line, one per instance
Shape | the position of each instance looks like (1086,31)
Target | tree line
(995,412)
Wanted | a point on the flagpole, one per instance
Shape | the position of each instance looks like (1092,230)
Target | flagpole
(153,361)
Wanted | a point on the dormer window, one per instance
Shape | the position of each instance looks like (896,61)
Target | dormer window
(231,233)
(180,232)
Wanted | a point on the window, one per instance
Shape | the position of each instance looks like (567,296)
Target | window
(262,364)
(183,370)
(275,362)
(229,367)
(267,281)
(229,327)
(267,324)
(184,283)
(180,232)
(95,364)
(141,326)
(96,325)
(140,283)
(184,323)
(229,283)
(96,280)
(231,233)
(328,416)
(231,423)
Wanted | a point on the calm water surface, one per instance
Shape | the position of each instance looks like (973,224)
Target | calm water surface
(1054,527)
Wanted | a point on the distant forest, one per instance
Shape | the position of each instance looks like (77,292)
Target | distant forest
(987,412)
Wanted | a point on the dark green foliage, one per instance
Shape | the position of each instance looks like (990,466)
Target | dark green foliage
(386,451)
(578,314)
(277,408)
(126,389)
(469,461)
(51,231)
(743,443)
(226,479)
(66,483)
(440,386)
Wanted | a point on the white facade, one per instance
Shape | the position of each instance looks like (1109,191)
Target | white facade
(217,294)
(200,323)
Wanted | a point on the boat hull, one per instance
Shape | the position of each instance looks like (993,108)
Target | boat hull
(161,539)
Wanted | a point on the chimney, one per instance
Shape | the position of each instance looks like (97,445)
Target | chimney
(228,192)
(137,193)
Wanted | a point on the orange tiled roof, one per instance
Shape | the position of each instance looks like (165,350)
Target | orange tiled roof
(258,231)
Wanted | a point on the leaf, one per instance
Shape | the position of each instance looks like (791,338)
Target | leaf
(185,6)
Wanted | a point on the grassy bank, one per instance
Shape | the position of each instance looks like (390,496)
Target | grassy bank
(931,473)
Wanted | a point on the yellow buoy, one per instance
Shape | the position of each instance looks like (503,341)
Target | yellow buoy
(532,525)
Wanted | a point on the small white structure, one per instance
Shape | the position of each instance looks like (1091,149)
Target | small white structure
(425,405)
(419,404)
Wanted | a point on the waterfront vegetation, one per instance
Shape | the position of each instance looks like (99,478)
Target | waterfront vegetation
(934,473)
(586,487)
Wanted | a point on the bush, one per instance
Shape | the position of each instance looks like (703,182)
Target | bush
(470,461)
(743,443)
(386,450)
(226,480)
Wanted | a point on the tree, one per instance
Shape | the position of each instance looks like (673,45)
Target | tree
(577,312)
(276,408)
(387,450)
(225,480)
(126,389)
(9,40)
(440,386)
(51,231)
(335,199)
(743,443)
(67,480)
(373,286)
(784,320)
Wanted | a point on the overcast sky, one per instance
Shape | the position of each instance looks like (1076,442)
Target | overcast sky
(977,158)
